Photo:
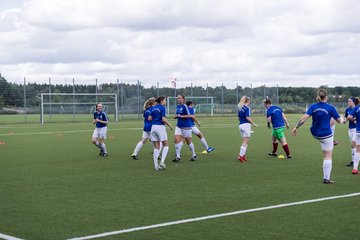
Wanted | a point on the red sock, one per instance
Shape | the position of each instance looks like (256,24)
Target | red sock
(286,149)
(275,146)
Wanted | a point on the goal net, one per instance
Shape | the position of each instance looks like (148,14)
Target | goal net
(75,107)
(202,105)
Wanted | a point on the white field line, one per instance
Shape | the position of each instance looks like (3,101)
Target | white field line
(7,237)
(109,130)
(128,230)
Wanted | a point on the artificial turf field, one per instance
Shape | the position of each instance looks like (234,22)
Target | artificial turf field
(53,185)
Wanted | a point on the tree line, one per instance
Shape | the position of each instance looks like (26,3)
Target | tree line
(13,94)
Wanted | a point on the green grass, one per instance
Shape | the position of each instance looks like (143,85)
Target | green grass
(53,185)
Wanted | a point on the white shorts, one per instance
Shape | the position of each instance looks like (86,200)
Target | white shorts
(357,138)
(146,134)
(186,133)
(195,130)
(327,144)
(158,133)
(245,130)
(100,133)
(352,133)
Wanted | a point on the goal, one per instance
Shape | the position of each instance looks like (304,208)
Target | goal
(72,107)
(202,105)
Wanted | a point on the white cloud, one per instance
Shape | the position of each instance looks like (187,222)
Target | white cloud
(285,42)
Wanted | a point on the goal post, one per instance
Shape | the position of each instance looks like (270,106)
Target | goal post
(202,105)
(76,104)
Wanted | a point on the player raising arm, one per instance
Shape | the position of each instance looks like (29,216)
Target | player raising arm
(321,113)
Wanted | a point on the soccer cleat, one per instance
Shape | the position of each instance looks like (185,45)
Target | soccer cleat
(176,159)
(105,155)
(351,164)
(162,166)
(288,156)
(241,158)
(354,171)
(101,153)
(210,149)
(328,181)
(193,158)
(272,154)
(135,157)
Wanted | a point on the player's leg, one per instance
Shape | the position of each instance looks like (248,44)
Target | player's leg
(145,136)
(165,148)
(245,132)
(327,146)
(352,136)
(187,135)
(281,136)
(95,140)
(156,140)
(178,144)
(274,144)
(102,137)
(356,155)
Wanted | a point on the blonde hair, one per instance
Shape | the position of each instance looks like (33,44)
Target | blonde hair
(243,100)
(148,103)
(321,95)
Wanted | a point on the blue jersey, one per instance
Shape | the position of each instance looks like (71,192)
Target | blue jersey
(192,112)
(101,116)
(147,123)
(321,113)
(243,113)
(276,115)
(356,114)
(157,113)
(183,110)
(347,113)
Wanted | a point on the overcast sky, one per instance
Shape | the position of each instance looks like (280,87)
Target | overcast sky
(284,42)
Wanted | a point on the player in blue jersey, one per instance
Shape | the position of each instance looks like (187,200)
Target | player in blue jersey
(148,105)
(195,130)
(158,132)
(98,138)
(278,120)
(353,116)
(183,129)
(245,123)
(321,113)
(352,103)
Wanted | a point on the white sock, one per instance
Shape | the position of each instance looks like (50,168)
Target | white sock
(327,166)
(161,146)
(243,150)
(156,156)
(356,160)
(192,148)
(164,153)
(97,144)
(204,143)
(103,147)
(353,151)
(137,148)
(178,147)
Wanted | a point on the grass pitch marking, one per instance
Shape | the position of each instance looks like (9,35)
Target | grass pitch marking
(7,237)
(197,219)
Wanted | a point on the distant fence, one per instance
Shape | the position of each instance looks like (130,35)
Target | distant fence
(25,106)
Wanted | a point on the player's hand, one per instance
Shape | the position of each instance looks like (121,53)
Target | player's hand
(287,126)
(254,125)
(294,131)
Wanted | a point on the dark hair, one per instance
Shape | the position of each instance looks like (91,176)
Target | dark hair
(267,101)
(189,102)
(160,99)
(355,100)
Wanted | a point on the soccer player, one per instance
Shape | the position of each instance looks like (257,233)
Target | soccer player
(353,116)
(183,129)
(148,105)
(321,113)
(98,138)
(195,130)
(244,115)
(158,132)
(278,120)
(352,103)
